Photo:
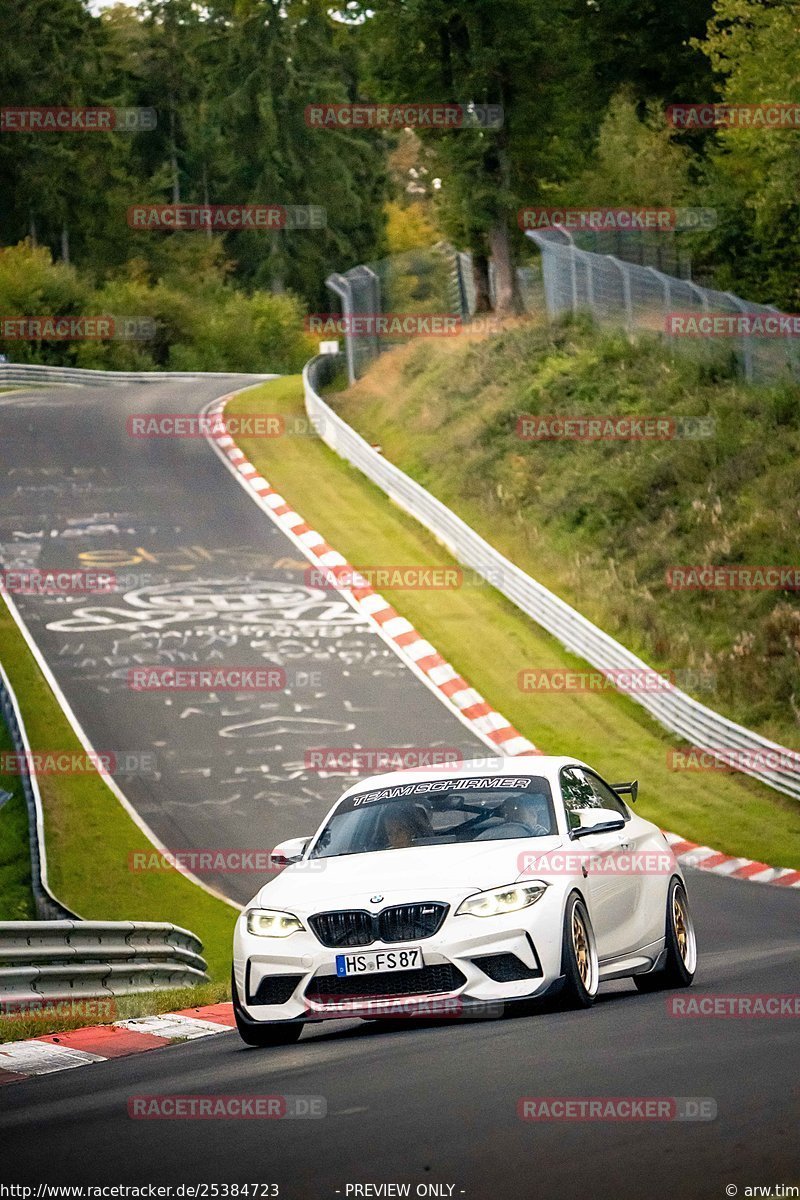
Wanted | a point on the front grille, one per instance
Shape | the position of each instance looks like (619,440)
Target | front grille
(401,923)
(426,981)
(338,929)
(273,989)
(505,968)
(409,922)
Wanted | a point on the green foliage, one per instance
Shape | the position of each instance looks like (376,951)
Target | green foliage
(200,322)
(753,175)
(638,160)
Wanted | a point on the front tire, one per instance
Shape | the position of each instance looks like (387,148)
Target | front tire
(679,942)
(579,964)
(260,1033)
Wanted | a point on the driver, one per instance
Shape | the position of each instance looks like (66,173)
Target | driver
(531,811)
(400,826)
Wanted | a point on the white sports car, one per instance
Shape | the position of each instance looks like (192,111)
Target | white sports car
(443,892)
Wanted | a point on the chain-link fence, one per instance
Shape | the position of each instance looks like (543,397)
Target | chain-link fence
(423,282)
(642,297)
(569,278)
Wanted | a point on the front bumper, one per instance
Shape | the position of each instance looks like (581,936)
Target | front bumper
(532,936)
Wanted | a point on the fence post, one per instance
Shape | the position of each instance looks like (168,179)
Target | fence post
(626,289)
(746,347)
(666,294)
(341,286)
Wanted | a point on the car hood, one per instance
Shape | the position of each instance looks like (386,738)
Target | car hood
(400,876)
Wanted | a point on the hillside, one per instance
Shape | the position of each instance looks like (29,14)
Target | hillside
(602,522)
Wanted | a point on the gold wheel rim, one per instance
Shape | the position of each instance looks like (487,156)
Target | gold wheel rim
(580,944)
(681,925)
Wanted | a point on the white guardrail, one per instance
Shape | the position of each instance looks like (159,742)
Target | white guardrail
(43,961)
(36,375)
(774,765)
(47,905)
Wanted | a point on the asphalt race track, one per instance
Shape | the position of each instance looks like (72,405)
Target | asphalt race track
(204,579)
(210,580)
(437,1103)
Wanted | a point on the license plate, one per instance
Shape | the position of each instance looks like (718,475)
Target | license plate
(372,961)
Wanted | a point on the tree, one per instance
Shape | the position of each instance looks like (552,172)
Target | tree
(753,175)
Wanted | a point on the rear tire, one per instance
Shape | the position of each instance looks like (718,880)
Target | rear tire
(261,1033)
(579,964)
(680,944)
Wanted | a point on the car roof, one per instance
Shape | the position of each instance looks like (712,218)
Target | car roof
(547,765)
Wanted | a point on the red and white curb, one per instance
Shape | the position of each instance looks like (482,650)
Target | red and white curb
(422,657)
(690,854)
(96,1043)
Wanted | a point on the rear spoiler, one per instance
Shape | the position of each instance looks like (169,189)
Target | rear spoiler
(627,789)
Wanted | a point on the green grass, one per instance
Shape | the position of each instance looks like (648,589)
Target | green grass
(599,523)
(89,835)
(728,811)
(16,897)
(14,1027)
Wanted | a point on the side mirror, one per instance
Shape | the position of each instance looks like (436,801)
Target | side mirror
(598,820)
(627,789)
(290,851)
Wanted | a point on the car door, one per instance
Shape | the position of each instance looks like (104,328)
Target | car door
(609,893)
(646,863)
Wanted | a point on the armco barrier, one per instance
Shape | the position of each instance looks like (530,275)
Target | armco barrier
(47,905)
(35,374)
(43,961)
(774,765)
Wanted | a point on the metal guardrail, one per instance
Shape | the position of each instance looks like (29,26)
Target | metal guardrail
(772,764)
(43,961)
(61,956)
(47,905)
(35,373)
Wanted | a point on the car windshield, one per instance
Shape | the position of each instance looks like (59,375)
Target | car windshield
(438,812)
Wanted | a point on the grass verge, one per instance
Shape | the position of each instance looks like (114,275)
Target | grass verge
(89,835)
(16,896)
(17,1026)
(489,641)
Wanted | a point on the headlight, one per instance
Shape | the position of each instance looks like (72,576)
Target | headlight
(502,900)
(268,922)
